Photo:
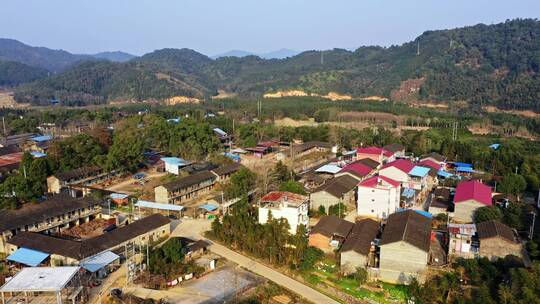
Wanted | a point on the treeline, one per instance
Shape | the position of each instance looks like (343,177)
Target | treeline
(482,64)
(479,281)
(121,150)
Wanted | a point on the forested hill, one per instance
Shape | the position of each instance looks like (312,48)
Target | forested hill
(482,64)
(51,60)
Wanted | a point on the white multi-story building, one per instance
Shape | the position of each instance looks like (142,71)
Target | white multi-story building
(378,197)
(287,205)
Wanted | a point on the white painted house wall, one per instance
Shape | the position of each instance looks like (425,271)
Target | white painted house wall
(171,168)
(294,215)
(377,202)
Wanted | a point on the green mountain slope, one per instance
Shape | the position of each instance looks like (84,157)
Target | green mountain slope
(14,73)
(483,64)
(51,60)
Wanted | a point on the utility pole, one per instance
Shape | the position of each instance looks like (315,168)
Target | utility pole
(418,49)
(4,123)
(322,57)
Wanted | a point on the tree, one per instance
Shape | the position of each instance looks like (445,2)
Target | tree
(292,186)
(487,213)
(241,183)
(513,184)
(311,256)
(360,275)
(321,210)
(339,210)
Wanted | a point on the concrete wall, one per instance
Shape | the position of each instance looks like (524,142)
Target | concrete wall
(497,247)
(351,260)
(161,195)
(53,184)
(400,261)
(464,211)
(323,198)
(320,241)
(379,203)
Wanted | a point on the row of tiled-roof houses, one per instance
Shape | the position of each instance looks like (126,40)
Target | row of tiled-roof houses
(390,195)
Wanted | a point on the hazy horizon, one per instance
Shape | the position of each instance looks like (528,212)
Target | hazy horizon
(212,28)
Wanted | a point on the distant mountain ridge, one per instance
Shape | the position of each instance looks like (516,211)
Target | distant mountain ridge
(116,56)
(277,54)
(481,65)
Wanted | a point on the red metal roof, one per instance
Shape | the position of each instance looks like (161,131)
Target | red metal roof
(430,163)
(473,190)
(279,196)
(357,167)
(372,182)
(404,165)
(10,159)
(374,151)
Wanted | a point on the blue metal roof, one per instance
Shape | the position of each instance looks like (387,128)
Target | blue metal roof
(329,168)
(175,120)
(465,169)
(208,207)
(220,132)
(174,161)
(28,257)
(170,207)
(419,171)
(41,138)
(232,156)
(444,174)
(408,192)
(424,213)
(38,154)
(460,164)
(98,261)
(494,146)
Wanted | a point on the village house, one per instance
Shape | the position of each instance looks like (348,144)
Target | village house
(64,251)
(434,157)
(312,181)
(16,140)
(59,285)
(84,176)
(309,147)
(340,190)
(440,201)
(498,241)
(329,233)
(462,242)
(404,247)
(358,249)
(397,149)
(52,215)
(374,165)
(287,205)
(377,154)
(173,164)
(223,173)
(418,178)
(356,169)
(398,170)
(378,196)
(469,197)
(10,159)
(185,189)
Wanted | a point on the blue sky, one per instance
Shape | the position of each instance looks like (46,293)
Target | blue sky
(213,27)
